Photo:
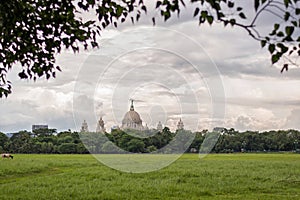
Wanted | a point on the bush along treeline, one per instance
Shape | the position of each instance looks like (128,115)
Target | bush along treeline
(123,141)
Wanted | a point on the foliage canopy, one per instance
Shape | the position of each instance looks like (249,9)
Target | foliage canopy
(229,141)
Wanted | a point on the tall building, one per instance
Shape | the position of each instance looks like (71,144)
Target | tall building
(132,119)
(100,126)
(35,127)
(84,127)
(180,125)
(159,126)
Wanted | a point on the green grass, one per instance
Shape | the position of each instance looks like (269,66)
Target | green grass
(217,176)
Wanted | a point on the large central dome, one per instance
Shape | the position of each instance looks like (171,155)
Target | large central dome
(132,119)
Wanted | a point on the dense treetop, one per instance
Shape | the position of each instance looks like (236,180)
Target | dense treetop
(229,141)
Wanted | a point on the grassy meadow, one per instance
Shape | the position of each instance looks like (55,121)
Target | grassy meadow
(217,176)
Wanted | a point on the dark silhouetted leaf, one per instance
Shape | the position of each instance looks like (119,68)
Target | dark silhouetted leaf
(242,15)
(285,67)
(256,4)
(275,58)
(196,12)
(271,48)
(263,43)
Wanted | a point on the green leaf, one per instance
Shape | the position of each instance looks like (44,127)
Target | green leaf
(263,43)
(289,30)
(167,15)
(297,11)
(275,58)
(119,10)
(204,14)
(210,19)
(271,48)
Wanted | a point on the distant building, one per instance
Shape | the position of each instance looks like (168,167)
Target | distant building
(84,127)
(115,127)
(100,126)
(219,129)
(9,134)
(180,125)
(159,126)
(35,127)
(132,119)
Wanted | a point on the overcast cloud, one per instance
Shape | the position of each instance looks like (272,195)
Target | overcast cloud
(208,76)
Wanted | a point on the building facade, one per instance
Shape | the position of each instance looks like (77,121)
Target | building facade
(132,119)
(159,126)
(35,127)
(100,126)
(84,127)
(180,125)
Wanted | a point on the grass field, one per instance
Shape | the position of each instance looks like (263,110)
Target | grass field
(217,176)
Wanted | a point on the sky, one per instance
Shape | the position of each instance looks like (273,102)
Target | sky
(208,76)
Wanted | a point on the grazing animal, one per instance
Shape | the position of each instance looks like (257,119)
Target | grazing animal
(7,155)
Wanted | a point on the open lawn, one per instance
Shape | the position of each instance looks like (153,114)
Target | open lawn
(217,176)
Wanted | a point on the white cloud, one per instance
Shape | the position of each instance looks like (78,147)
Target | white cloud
(169,68)
(293,120)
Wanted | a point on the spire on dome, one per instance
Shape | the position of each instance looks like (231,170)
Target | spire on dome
(131,107)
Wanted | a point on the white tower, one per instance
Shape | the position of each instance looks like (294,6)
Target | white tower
(180,125)
(159,126)
(84,127)
(100,126)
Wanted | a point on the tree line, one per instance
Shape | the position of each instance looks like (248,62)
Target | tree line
(121,141)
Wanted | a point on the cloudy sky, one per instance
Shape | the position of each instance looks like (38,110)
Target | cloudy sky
(208,76)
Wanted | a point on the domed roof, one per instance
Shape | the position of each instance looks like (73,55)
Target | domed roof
(132,116)
(132,119)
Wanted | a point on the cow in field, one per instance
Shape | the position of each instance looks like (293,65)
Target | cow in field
(6,155)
